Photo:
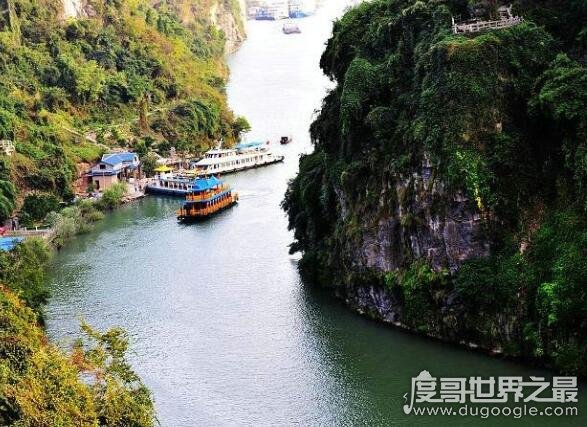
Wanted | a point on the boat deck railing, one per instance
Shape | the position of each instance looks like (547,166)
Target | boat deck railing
(207,194)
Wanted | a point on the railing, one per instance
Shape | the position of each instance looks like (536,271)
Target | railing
(207,194)
(476,27)
(45,233)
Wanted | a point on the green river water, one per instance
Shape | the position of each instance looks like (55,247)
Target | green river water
(222,330)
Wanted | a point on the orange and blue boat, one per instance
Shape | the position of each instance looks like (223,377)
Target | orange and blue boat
(208,196)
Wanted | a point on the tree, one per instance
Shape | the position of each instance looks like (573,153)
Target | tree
(8,191)
(7,199)
(149,163)
(240,126)
(36,206)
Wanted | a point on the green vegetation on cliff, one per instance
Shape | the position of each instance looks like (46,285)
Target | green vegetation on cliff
(123,73)
(451,170)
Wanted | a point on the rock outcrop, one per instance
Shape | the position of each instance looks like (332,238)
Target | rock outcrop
(229,16)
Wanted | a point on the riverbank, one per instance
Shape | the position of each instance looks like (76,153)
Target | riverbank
(40,381)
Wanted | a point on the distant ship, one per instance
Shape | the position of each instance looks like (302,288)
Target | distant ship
(272,10)
(290,28)
(301,8)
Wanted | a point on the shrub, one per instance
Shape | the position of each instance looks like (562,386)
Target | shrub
(36,206)
(73,220)
(23,270)
(113,196)
(42,386)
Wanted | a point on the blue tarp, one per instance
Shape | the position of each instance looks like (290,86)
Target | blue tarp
(8,243)
(203,184)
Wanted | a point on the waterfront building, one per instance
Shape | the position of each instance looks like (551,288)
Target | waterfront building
(113,168)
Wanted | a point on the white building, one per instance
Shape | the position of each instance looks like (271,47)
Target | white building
(6,147)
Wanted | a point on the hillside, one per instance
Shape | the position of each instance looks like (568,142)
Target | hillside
(148,75)
(447,190)
(79,78)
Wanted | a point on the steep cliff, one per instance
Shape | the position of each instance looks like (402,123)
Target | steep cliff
(447,175)
(229,16)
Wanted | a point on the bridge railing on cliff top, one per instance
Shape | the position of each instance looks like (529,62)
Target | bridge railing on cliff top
(475,27)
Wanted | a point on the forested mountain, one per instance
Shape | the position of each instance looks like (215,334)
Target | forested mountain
(448,189)
(142,74)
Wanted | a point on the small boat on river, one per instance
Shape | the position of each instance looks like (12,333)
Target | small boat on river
(290,28)
(209,196)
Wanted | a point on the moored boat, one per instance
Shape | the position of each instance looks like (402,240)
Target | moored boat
(210,195)
(301,8)
(243,156)
(172,183)
(272,10)
(220,161)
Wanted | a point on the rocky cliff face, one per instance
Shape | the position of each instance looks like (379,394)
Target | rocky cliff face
(226,15)
(422,221)
(416,219)
(229,16)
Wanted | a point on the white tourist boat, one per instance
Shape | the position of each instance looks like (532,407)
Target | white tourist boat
(243,156)
(172,183)
(215,162)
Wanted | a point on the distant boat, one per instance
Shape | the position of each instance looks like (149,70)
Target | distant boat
(301,8)
(285,140)
(291,28)
(273,10)
(209,196)
(264,15)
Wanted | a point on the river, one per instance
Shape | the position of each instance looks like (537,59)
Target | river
(222,330)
